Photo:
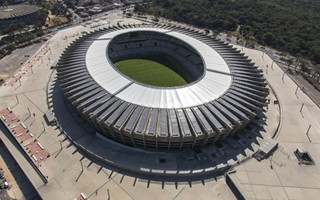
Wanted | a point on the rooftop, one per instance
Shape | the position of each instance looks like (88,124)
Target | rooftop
(7,12)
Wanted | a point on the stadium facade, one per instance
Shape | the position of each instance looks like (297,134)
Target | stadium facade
(225,90)
(18,13)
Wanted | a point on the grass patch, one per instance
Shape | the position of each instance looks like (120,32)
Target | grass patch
(151,71)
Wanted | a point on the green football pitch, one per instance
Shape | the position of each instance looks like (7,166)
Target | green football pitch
(151,71)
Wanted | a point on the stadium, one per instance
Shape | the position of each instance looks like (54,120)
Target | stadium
(161,86)
(18,13)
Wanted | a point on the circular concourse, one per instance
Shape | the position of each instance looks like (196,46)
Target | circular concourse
(225,91)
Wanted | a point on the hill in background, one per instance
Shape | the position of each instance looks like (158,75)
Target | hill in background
(287,25)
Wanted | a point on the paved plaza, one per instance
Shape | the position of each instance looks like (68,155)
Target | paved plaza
(70,174)
(281,176)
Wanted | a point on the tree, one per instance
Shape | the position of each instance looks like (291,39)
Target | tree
(305,69)
(269,39)
(318,72)
(251,43)
(297,63)
(10,48)
(292,27)
(290,62)
(129,14)
(303,63)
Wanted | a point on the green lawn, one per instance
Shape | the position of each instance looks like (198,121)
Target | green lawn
(151,72)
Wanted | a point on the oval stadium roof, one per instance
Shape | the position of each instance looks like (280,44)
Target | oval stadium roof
(224,100)
(214,83)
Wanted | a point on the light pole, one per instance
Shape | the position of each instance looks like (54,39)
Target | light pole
(301,107)
(308,133)
(44,128)
(17,102)
(81,171)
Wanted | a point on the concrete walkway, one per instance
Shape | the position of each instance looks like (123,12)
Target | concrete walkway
(280,176)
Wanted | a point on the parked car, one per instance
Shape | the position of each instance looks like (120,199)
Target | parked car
(1,174)
(4,185)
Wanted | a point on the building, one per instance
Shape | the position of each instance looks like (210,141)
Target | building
(225,90)
(18,13)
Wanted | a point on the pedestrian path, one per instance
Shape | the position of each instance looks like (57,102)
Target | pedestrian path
(23,136)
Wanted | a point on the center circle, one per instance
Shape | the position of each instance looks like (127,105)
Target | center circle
(155,59)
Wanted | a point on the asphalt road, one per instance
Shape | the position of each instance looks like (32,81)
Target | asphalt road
(313,93)
(10,63)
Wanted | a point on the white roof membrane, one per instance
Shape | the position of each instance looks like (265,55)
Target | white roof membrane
(211,86)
